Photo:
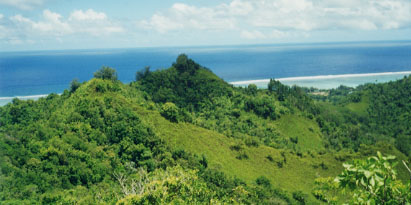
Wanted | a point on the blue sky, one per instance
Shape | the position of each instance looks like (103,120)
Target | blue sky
(75,24)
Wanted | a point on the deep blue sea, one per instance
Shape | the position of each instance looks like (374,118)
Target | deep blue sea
(42,72)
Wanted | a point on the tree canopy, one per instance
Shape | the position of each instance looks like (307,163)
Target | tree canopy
(106,73)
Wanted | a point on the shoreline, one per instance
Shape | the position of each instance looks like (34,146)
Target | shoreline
(6,100)
(320,82)
(24,97)
(320,77)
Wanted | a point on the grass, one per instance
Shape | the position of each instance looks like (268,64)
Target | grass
(360,107)
(307,131)
(297,174)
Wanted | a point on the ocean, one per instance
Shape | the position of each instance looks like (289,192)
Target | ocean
(33,74)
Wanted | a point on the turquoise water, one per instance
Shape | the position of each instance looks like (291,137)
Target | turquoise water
(5,100)
(331,81)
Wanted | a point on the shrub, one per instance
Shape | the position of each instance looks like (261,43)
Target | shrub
(171,186)
(374,181)
(170,111)
(251,142)
(263,181)
(369,181)
(299,196)
(323,166)
(294,139)
(242,155)
(237,147)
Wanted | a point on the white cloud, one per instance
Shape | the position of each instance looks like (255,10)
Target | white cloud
(252,34)
(51,25)
(238,7)
(273,34)
(251,17)
(161,24)
(22,4)
(54,25)
(183,16)
(89,15)
(92,22)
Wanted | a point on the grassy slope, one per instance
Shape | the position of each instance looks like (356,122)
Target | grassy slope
(297,174)
(360,107)
(307,131)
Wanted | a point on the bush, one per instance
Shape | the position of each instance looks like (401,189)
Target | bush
(242,155)
(263,181)
(237,147)
(252,142)
(299,196)
(374,180)
(171,186)
(280,164)
(270,158)
(170,111)
(299,153)
(294,139)
(323,166)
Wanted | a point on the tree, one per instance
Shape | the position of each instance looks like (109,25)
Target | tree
(143,73)
(74,85)
(184,64)
(281,90)
(106,73)
(271,85)
(252,89)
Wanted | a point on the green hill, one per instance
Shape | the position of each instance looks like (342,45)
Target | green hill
(182,135)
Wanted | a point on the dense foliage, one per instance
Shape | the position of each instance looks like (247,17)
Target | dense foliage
(186,84)
(369,113)
(369,181)
(183,135)
(390,111)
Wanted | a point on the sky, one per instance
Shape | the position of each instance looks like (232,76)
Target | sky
(76,24)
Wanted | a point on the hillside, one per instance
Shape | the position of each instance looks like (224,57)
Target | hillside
(184,135)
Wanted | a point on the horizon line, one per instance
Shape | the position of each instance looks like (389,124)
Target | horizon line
(215,45)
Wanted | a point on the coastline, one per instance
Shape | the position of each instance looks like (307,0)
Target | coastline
(5,100)
(320,82)
(330,81)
